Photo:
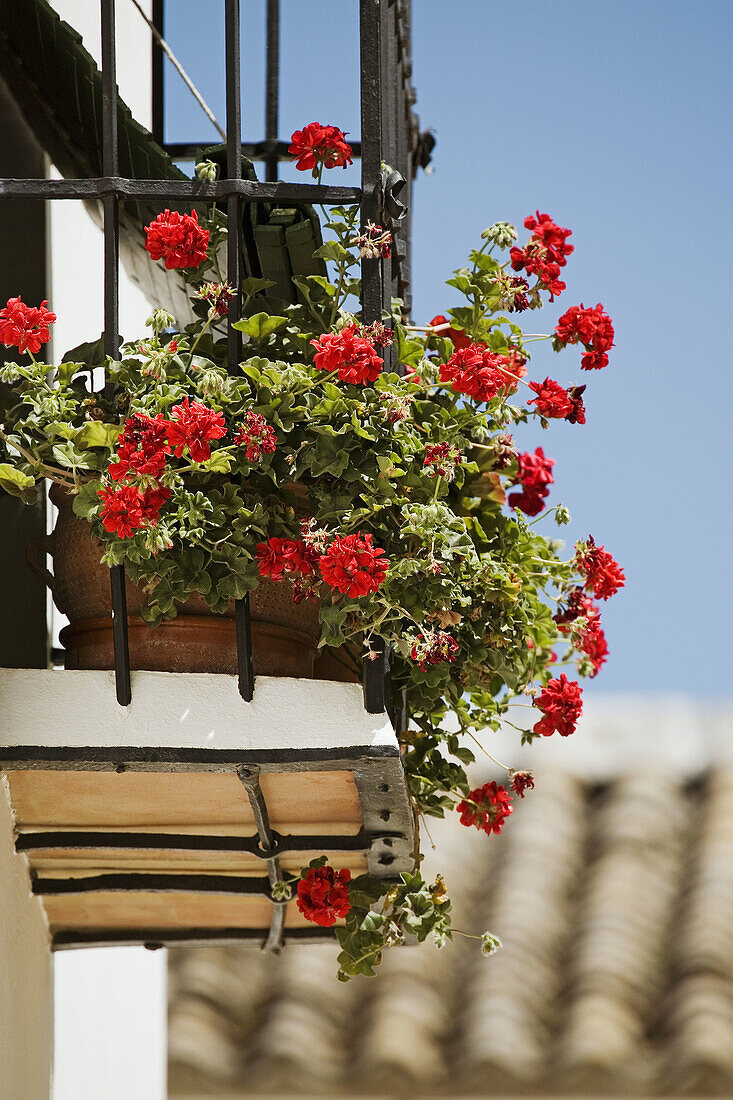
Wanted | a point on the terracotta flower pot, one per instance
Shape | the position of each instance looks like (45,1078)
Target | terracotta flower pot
(284,634)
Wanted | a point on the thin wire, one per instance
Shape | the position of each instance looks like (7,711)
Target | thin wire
(180,69)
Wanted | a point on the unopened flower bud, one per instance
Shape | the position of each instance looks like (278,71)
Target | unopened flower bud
(562,515)
(160,320)
(281,891)
(500,233)
(206,170)
(490,944)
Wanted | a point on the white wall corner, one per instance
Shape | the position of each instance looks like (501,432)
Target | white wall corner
(110,1010)
(26,1017)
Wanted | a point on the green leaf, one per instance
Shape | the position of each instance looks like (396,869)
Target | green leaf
(87,499)
(90,354)
(219,463)
(260,325)
(98,434)
(332,250)
(66,371)
(254,286)
(17,484)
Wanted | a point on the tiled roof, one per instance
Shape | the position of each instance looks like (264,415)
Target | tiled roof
(613,895)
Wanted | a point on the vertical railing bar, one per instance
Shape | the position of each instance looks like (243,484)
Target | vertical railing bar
(158,92)
(110,167)
(375,678)
(245,675)
(272,86)
(371,148)
(372,275)
(245,669)
(388,75)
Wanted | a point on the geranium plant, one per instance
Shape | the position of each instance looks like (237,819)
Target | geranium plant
(421,524)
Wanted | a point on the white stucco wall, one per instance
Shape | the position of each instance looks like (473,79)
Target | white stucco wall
(109,1004)
(76,290)
(25,976)
(110,1024)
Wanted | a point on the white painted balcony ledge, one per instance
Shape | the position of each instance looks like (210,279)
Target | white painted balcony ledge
(53,709)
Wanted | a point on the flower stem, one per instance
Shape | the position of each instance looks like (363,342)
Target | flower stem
(487,753)
(206,327)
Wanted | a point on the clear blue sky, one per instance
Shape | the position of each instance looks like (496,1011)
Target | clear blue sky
(615,118)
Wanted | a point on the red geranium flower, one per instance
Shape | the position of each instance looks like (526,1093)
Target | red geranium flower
(323,895)
(316,144)
(534,475)
(520,782)
(256,436)
(141,448)
(577,605)
(478,372)
(192,426)
(442,459)
(278,556)
(122,514)
(591,641)
(577,413)
(352,565)
(25,327)
(455,335)
(603,576)
(590,327)
(552,400)
(545,252)
(433,649)
(562,703)
(178,239)
(486,808)
(218,295)
(153,500)
(353,357)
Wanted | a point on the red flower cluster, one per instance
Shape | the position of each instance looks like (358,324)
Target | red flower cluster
(557,403)
(577,605)
(193,426)
(603,576)
(350,355)
(374,243)
(552,400)
(486,807)
(458,338)
(127,509)
(478,372)
(544,253)
(256,436)
(433,649)
(323,895)
(521,782)
(178,239)
(562,704)
(591,641)
(592,328)
(25,327)
(377,334)
(535,475)
(141,448)
(218,295)
(278,556)
(353,566)
(442,458)
(316,144)
(520,301)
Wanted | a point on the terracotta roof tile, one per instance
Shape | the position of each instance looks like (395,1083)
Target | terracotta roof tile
(614,898)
